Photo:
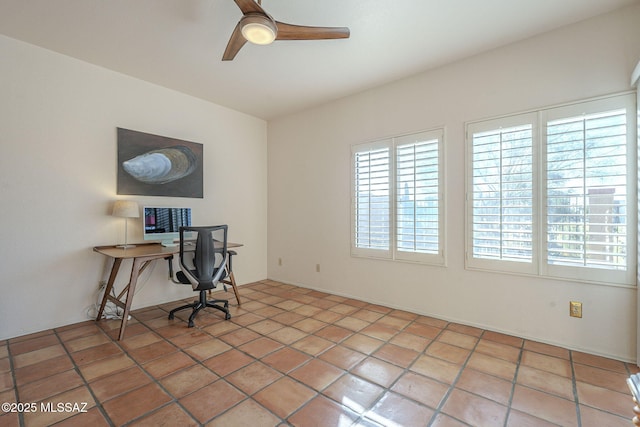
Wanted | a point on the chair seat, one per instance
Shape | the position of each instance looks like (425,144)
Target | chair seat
(182,278)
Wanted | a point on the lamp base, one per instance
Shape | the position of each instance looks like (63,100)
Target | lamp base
(125,246)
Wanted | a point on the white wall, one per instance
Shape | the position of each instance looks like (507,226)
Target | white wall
(309,187)
(58,119)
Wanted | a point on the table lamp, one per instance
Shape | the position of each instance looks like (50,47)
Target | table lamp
(126,209)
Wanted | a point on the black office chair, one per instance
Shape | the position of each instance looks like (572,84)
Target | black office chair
(203,267)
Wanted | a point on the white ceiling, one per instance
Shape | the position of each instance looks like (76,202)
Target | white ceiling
(179,43)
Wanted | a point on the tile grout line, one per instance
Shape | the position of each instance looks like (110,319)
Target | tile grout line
(452,386)
(574,386)
(76,368)
(334,344)
(315,357)
(151,377)
(16,393)
(514,382)
(363,416)
(359,416)
(255,359)
(198,363)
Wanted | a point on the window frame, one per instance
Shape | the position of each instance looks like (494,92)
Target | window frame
(585,108)
(539,265)
(393,253)
(369,147)
(490,264)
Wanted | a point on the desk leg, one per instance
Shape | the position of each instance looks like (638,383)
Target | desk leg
(139,264)
(231,278)
(107,289)
(232,282)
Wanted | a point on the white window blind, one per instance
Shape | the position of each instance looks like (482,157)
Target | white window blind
(417,201)
(502,194)
(587,190)
(372,198)
(396,198)
(551,192)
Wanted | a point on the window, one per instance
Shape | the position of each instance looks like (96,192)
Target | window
(553,192)
(397,198)
(502,192)
(372,198)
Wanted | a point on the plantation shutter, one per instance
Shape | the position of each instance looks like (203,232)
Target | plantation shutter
(417,195)
(553,192)
(372,195)
(397,198)
(586,183)
(502,191)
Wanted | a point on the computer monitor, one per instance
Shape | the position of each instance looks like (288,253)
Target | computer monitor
(163,224)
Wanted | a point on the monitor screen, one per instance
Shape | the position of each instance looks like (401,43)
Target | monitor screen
(163,224)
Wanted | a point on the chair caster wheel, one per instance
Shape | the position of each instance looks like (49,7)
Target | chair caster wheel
(171,316)
(227,316)
(190,325)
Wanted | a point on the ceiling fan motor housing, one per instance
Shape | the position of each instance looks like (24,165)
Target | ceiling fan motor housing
(258,29)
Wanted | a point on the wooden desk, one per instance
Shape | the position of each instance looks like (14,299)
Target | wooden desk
(142,255)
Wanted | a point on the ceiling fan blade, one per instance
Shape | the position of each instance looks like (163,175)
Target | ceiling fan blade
(235,44)
(301,32)
(248,6)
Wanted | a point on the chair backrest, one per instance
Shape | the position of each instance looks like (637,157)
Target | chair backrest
(207,264)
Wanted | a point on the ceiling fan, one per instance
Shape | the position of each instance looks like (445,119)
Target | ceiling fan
(258,27)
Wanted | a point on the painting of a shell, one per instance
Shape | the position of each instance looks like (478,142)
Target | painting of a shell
(161,166)
(153,165)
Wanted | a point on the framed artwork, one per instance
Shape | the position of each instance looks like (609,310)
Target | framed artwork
(152,165)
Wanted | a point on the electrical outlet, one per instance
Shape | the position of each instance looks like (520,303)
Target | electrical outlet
(279,261)
(575,309)
(102,284)
(317,268)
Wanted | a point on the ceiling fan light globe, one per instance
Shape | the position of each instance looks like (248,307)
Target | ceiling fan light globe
(258,29)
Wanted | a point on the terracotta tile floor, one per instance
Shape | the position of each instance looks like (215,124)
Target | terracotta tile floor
(293,356)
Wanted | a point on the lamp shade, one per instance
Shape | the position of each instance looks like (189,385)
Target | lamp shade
(126,209)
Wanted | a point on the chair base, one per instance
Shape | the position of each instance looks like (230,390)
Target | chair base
(203,303)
